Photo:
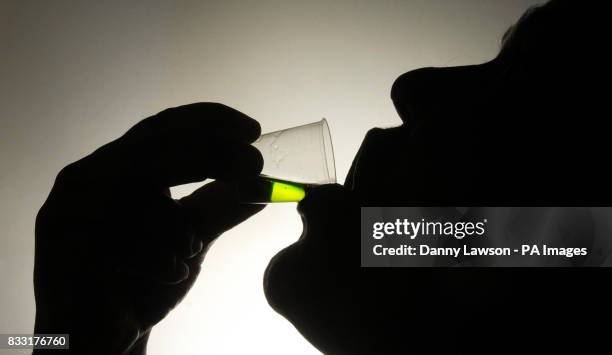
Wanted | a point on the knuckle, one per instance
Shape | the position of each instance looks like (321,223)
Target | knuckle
(218,106)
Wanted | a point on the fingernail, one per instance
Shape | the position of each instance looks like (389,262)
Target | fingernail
(196,246)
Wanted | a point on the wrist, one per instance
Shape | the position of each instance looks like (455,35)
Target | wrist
(90,339)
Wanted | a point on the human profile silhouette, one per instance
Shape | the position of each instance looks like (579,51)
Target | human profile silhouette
(523,129)
(114,252)
(114,255)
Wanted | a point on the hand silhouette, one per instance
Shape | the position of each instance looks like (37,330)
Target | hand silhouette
(114,252)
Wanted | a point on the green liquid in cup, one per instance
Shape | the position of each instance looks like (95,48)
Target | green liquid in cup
(286,192)
(269,190)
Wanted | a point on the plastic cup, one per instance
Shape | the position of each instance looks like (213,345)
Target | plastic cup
(294,159)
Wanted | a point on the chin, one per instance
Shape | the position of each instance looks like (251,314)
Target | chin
(302,291)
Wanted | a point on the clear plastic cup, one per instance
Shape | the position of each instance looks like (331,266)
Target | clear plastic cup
(294,159)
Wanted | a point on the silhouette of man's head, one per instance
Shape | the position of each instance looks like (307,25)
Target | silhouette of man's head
(517,130)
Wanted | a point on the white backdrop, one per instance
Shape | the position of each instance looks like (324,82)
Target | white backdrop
(76,74)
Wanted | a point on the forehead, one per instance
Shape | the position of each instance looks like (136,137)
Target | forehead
(550,24)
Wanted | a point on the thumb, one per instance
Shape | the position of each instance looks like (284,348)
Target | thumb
(215,208)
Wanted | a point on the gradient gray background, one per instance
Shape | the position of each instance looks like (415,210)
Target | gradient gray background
(77,74)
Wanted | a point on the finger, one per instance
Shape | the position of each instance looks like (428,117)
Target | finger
(180,145)
(198,120)
(215,208)
(186,162)
(155,239)
(157,264)
(233,161)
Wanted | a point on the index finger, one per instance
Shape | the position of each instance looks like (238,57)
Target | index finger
(196,121)
(180,145)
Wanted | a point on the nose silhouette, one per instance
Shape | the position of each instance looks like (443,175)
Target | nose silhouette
(421,93)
